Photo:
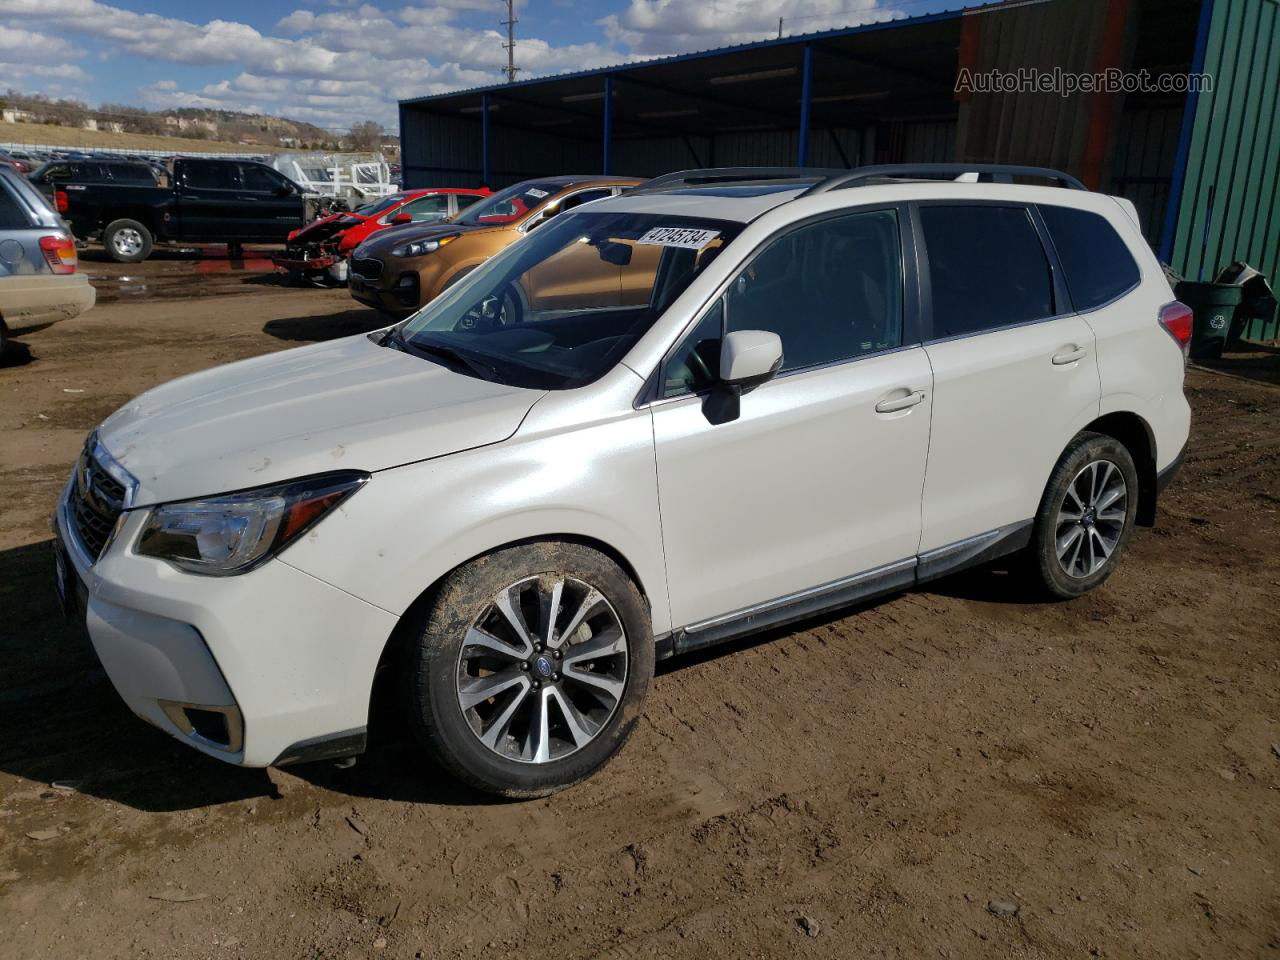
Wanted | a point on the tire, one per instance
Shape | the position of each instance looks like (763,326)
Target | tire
(1095,478)
(522,754)
(4,340)
(127,241)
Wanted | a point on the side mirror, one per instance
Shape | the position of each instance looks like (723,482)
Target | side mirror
(618,254)
(748,358)
(402,218)
(284,190)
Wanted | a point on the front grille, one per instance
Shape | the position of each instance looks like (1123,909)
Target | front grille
(367,267)
(97,498)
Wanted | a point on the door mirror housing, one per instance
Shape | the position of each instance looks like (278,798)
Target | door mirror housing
(749,358)
(402,218)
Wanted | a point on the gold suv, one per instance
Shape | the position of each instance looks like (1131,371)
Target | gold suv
(400,269)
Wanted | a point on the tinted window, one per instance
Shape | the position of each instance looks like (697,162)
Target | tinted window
(210,176)
(695,366)
(427,208)
(987,268)
(259,179)
(89,171)
(578,199)
(132,173)
(831,290)
(12,215)
(1098,265)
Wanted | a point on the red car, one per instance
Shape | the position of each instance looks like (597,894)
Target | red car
(322,246)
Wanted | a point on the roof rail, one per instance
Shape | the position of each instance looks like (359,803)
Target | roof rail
(989,172)
(717,175)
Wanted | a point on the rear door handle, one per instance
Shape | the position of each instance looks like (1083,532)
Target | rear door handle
(893,405)
(1068,355)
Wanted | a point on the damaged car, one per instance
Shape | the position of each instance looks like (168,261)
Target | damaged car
(319,251)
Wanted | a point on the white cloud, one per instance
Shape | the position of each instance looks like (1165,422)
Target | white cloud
(346,60)
(29,46)
(660,27)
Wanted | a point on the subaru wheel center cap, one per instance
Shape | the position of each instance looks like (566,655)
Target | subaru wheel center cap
(543,667)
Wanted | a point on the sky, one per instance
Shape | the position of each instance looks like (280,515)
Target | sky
(336,62)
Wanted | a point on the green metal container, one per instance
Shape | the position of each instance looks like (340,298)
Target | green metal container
(1214,305)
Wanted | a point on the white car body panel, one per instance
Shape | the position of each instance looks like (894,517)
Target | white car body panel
(346,404)
(808,485)
(1002,414)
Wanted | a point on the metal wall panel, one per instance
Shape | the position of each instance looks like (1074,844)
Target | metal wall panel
(1229,207)
(1142,168)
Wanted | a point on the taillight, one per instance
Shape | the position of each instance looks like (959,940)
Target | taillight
(1178,320)
(60,200)
(59,253)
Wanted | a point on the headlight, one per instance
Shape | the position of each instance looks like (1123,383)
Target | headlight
(221,536)
(420,248)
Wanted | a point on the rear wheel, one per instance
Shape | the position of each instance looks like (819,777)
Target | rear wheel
(127,241)
(1086,516)
(531,668)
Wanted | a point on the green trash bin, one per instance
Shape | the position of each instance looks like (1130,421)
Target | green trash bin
(1214,305)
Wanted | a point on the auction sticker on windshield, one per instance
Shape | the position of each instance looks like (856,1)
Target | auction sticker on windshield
(689,238)
(535,192)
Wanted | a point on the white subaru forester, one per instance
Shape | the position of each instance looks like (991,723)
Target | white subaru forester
(724,401)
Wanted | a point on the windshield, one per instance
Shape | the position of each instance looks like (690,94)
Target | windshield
(509,205)
(561,307)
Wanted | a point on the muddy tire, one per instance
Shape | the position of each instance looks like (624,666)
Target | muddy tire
(127,241)
(529,671)
(1086,516)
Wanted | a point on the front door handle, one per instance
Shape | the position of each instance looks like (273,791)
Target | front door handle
(1068,355)
(894,404)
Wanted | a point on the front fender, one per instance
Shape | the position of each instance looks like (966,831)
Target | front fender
(412,525)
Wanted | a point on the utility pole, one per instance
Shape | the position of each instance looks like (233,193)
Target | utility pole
(779,28)
(510,45)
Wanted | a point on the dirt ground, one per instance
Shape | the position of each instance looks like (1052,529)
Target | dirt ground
(955,772)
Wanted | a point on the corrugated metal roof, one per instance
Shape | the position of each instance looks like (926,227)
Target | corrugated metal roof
(797,39)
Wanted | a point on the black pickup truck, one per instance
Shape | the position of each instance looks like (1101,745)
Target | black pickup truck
(218,201)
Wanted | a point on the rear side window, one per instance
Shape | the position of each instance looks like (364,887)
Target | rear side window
(258,179)
(987,268)
(1098,264)
(210,176)
(12,214)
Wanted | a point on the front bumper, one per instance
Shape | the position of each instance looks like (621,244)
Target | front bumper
(397,301)
(272,665)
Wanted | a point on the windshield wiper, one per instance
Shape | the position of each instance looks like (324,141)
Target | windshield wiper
(452,356)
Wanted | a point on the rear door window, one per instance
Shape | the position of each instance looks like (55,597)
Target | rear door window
(209,175)
(1097,263)
(987,268)
(132,173)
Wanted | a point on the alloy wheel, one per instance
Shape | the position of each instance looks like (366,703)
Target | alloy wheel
(1091,518)
(542,669)
(127,241)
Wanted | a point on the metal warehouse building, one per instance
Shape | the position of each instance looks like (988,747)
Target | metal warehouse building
(1203,167)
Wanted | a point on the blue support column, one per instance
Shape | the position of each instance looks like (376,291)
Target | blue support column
(608,122)
(484,140)
(806,89)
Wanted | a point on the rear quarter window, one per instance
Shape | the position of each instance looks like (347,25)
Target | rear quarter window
(132,173)
(12,214)
(1097,263)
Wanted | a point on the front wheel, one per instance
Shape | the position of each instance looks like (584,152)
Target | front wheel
(1086,516)
(531,668)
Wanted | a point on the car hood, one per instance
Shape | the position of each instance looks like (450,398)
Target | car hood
(324,228)
(345,405)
